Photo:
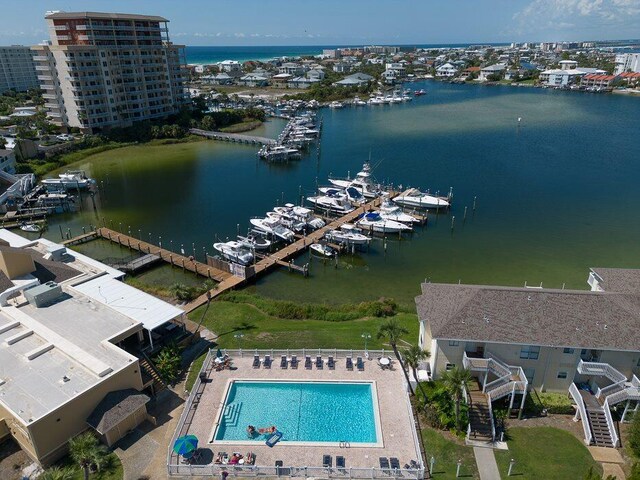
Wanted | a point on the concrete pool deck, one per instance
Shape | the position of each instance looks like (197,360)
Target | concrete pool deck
(396,422)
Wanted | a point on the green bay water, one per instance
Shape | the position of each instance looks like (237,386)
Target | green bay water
(556,193)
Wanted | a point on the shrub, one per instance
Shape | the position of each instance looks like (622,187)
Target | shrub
(168,362)
(634,435)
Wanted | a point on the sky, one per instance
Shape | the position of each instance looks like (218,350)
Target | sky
(350,22)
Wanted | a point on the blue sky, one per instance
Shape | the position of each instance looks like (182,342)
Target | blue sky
(355,22)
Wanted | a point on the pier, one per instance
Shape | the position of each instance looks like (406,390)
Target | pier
(233,137)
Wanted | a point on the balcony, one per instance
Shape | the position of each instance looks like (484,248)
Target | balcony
(45,78)
(40,58)
(42,68)
(509,379)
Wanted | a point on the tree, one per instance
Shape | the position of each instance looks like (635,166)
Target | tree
(634,435)
(86,451)
(57,473)
(392,331)
(456,382)
(208,123)
(412,357)
(168,363)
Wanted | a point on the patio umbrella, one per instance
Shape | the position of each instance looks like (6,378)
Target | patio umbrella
(185,445)
(219,354)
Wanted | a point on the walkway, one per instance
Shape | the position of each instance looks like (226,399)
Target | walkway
(486,461)
(610,459)
(233,137)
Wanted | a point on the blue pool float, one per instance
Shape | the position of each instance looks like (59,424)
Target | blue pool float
(273,439)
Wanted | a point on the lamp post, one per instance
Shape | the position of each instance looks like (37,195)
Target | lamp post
(238,337)
(366,336)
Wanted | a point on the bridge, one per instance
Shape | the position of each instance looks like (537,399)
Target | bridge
(233,137)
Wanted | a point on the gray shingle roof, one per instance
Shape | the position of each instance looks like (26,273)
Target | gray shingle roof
(621,280)
(115,407)
(559,318)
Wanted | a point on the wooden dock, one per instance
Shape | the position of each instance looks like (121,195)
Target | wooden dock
(133,265)
(233,137)
(85,237)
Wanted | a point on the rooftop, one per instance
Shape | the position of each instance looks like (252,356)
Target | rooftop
(620,280)
(103,15)
(525,316)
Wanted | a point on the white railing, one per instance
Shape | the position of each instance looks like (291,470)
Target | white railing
(294,472)
(629,392)
(414,430)
(575,394)
(303,352)
(612,426)
(609,390)
(493,425)
(635,381)
(600,369)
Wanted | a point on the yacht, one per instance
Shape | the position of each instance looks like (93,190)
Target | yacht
(389,211)
(274,227)
(420,92)
(254,242)
(396,98)
(363,183)
(406,98)
(289,221)
(301,213)
(322,250)
(353,194)
(375,101)
(70,179)
(336,105)
(337,203)
(279,153)
(358,103)
(235,252)
(30,227)
(416,198)
(373,222)
(347,236)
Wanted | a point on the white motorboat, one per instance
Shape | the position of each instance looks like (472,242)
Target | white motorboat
(254,242)
(353,194)
(347,237)
(336,105)
(389,211)
(235,252)
(274,227)
(288,221)
(358,102)
(373,222)
(418,199)
(336,203)
(407,98)
(279,153)
(375,101)
(301,213)
(363,183)
(30,227)
(70,179)
(322,250)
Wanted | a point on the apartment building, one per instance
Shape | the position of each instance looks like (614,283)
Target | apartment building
(582,343)
(627,62)
(17,69)
(70,333)
(102,70)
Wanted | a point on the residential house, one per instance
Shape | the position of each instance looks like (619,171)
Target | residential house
(232,67)
(253,80)
(7,161)
(584,344)
(398,67)
(447,70)
(470,72)
(491,70)
(301,82)
(631,78)
(389,77)
(281,79)
(594,80)
(291,69)
(341,67)
(355,79)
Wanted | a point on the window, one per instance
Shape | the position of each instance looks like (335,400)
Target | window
(454,343)
(531,352)
(450,366)
(562,374)
(568,350)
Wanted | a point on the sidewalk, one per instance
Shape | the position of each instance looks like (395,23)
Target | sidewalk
(486,461)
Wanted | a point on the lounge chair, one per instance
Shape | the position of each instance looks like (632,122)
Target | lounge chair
(395,463)
(349,363)
(340,465)
(256,361)
(331,363)
(384,464)
(319,362)
(267,361)
(283,361)
(360,364)
(327,461)
(294,362)
(307,362)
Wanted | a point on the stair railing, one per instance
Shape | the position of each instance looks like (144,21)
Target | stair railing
(610,424)
(582,410)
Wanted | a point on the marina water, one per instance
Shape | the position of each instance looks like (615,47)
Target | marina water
(555,193)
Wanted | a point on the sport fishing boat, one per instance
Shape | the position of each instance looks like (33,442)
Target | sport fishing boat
(389,211)
(373,222)
(347,236)
(353,194)
(69,179)
(363,182)
(418,199)
(254,242)
(338,203)
(322,250)
(288,221)
(234,252)
(274,227)
(301,213)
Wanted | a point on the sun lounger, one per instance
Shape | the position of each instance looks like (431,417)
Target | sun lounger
(307,362)
(384,464)
(319,362)
(340,463)
(349,363)
(360,364)
(256,361)
(267,361)
(331,364)
(294,362)
(395,463)
(283,361)
(327,461)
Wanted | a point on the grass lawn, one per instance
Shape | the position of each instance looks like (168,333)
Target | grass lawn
(545,452)
(446,454)
(242,126)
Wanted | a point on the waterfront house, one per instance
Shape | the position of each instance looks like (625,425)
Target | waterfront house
(399,68)
(594,80)
(447,70)
(470,72)
(232,67)
(583,343)
(69,347)
(630,78)
(492,70)
(355,79)
(389,77)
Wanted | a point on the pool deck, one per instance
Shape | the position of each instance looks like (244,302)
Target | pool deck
(395,420)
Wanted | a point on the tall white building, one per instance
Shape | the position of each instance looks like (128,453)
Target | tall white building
(627,62)
(103,70)
(17,69)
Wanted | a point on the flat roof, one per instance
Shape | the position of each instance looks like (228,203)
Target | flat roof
(129,301)
(526,316)
(104,15)
(621,280)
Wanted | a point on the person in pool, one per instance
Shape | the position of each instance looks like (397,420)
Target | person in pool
(251,431)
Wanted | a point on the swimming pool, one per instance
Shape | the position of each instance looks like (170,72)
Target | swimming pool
(305,412)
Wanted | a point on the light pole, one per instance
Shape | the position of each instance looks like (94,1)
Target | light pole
(238,337)
(366,336)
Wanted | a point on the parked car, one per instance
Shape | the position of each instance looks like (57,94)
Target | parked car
(65,137)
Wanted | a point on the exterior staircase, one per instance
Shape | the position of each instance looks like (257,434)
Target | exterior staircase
(599,427)
(150,376)
(480,418)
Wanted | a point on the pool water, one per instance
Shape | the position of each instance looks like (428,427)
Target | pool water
(302,411)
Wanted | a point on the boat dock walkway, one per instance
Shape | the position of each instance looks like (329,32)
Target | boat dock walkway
(133,264)
(233,137)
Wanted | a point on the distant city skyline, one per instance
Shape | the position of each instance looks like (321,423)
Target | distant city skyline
(355,22)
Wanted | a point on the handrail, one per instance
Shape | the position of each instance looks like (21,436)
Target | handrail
(609,389)
(573,390)
(493,425)
(610,424)
(416,442)
(601,369)
(302,352)
(182,469)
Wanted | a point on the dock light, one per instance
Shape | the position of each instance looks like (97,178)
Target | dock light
(366,336)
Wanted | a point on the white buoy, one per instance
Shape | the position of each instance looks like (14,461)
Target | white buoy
(519,119)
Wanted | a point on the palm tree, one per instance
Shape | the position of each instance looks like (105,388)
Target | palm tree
(412,358)
(57,473)
(86,451)
(392,331)
(456,381)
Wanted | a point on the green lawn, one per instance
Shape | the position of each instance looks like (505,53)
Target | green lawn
(446,454)
(545,452)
